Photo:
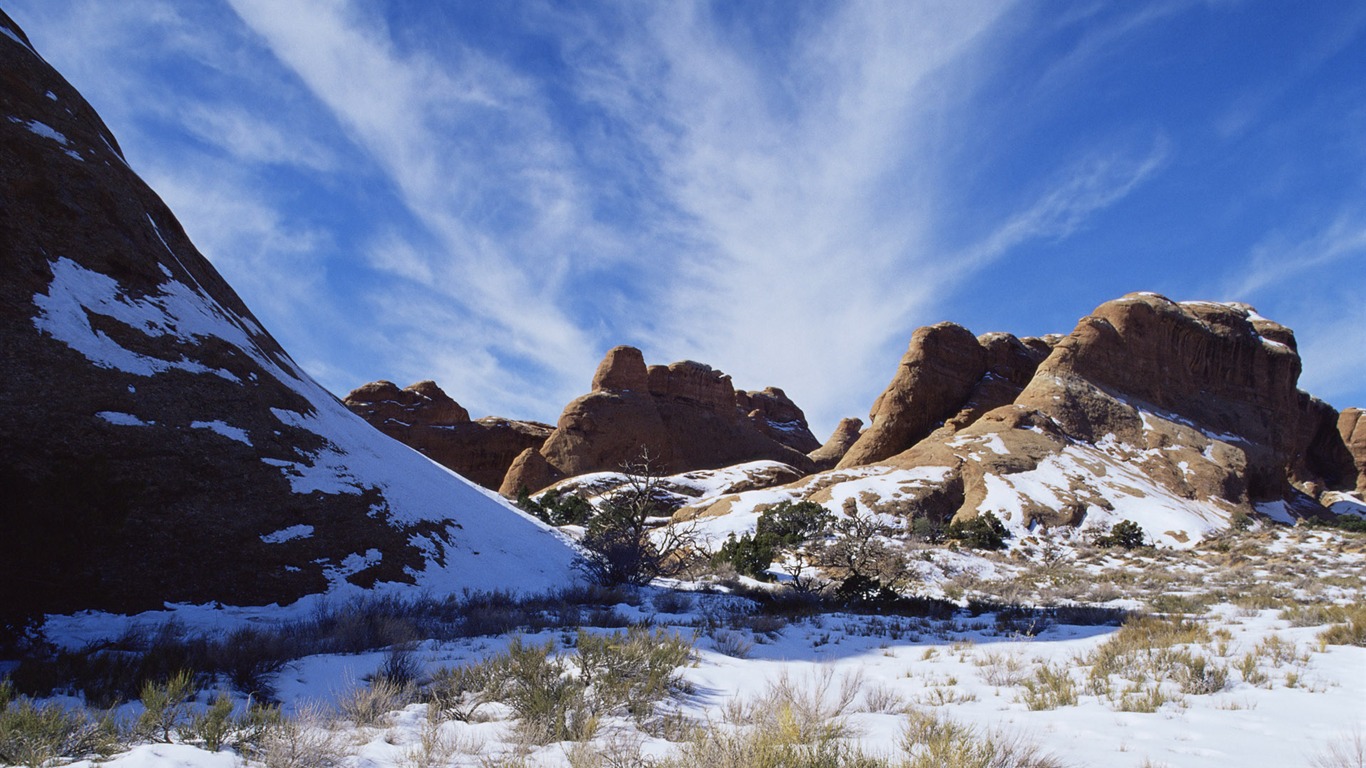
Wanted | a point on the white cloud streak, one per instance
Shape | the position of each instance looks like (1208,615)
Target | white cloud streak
(1279,258)
(470,153)
(807,189)
(772,210)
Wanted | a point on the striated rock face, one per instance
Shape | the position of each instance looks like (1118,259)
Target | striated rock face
(845,435)
(1352,430)
(947,376)
(159,445)
(687,416)
(425,418)
(1216,365)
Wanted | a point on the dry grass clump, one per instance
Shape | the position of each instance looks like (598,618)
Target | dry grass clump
(1146,661)
(1000,669)
(1346,752)
(934,741)
(1049,688)
(1348,628)
(304,741)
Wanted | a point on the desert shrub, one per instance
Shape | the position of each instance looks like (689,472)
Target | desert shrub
(880,698)
(1196,674)
(458,693)
(631,671)
(166,705)
(557,698)
(1348,523)
(1132,653)
(786,524)
(214,727)
(763,748)
(400,667)
(1172,603)
(810,711)
(620,545)
(1000,669)
(36,735)
(927,530)
(985,531)
(303,741)
(747,554)
(868,568)
(790,523)
(733,644)
(556,507)
(1125,534)
(550,705)
(672,601)
(436,747)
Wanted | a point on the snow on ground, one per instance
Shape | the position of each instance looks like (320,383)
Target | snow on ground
(1168,519)
(969,672)
(1284,697)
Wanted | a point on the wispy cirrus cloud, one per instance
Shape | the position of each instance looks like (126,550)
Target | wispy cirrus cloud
(763,192)
(465,142)
(804,191)
(1281,256)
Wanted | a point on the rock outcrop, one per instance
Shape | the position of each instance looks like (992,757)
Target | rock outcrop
(775,415)
(159,445)
(425,418)
(947,376)
(687,416)
(829,454)
(1352,430)
(1178,416)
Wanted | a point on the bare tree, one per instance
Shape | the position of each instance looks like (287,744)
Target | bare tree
(623,541)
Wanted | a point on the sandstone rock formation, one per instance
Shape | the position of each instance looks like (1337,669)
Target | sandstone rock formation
(775,415)
(425,418)
(1352,429)
(686,415)
(159,445)
(845,435)
(1175,415)
(946,376)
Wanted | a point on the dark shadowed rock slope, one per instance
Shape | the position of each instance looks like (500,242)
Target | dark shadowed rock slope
(158,444)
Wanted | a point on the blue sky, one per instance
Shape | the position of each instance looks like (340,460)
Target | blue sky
(494,194)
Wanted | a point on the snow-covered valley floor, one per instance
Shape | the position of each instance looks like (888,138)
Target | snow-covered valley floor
(1246,651)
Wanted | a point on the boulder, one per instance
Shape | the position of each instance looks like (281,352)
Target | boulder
(422,404)
(621,370)
(1199,363)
